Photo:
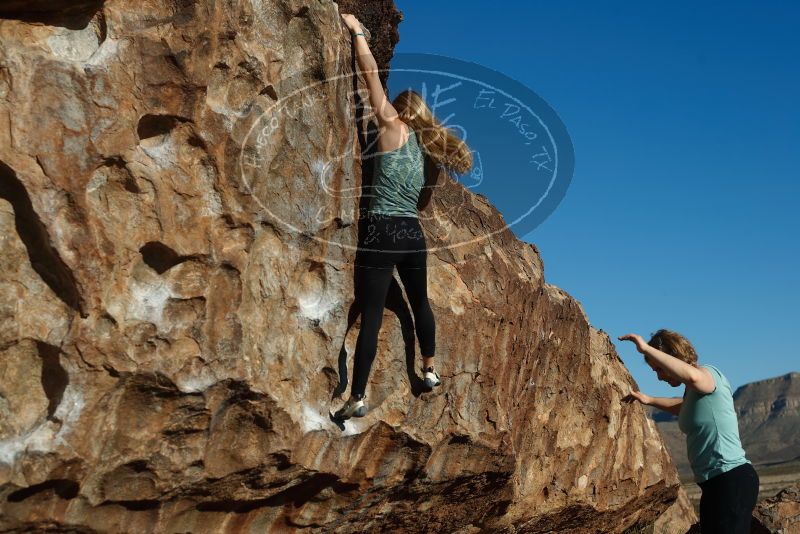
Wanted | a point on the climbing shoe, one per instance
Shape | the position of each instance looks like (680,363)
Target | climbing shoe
(352,408)
(430,377)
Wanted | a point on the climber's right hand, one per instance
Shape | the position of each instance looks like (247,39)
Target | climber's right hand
(351,22)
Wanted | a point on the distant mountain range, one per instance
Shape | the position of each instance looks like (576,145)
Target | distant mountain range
(769,423)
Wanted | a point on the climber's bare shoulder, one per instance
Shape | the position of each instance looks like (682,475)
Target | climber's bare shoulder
(381,105)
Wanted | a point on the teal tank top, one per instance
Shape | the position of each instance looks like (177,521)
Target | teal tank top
(712,430)
(398,179)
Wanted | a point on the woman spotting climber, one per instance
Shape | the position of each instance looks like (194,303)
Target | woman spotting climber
(728,482)
(410,140)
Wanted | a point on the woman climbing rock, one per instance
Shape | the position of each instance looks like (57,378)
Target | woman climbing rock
(728,482)
(410,140)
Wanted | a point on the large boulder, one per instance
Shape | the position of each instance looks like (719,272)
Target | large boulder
(177,320)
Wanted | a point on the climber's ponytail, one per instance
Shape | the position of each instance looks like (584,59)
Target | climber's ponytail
(439,142)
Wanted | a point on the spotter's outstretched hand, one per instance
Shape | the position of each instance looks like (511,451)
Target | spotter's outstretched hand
(638,340)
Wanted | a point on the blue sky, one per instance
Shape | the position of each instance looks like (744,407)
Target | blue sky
(682,212)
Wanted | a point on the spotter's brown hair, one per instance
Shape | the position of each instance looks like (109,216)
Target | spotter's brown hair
(675,345)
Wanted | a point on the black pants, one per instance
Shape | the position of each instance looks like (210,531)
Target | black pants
(388,241)
(727,501)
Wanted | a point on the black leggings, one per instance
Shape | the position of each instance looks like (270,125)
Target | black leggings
(389,241)
(727,501)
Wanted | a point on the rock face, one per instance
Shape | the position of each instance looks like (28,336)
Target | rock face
(769,422)
(171,346)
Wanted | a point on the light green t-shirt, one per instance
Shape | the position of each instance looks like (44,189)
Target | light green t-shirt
(398,179)
(712,430)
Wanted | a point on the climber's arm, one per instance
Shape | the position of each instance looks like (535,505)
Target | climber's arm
(384,111)
(432,174)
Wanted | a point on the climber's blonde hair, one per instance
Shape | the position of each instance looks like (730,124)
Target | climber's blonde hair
(675,345)
(439,142)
